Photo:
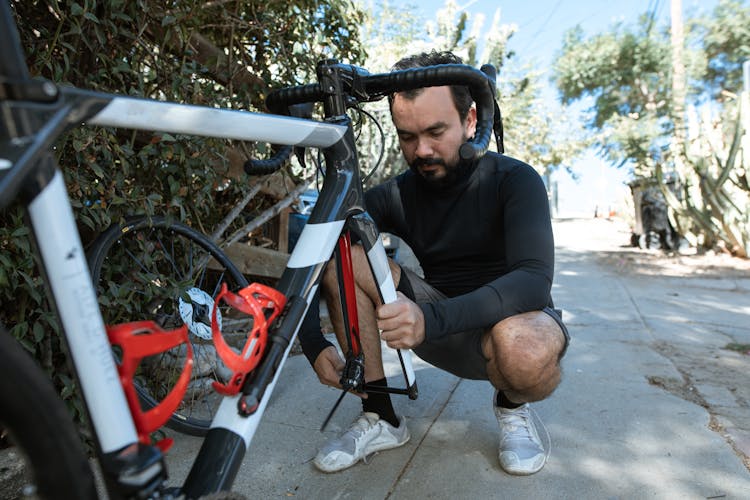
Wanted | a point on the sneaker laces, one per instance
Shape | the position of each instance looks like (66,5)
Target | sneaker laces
(358,429)
(515,421)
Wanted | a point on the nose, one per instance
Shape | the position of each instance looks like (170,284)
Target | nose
(424,148)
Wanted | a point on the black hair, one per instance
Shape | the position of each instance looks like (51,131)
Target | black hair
(461,96)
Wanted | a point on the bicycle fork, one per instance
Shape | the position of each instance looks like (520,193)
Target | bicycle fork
(353,374)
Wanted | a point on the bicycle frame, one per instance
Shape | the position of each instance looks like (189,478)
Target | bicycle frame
(28,168)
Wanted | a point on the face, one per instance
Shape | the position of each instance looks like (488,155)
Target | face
(430,131)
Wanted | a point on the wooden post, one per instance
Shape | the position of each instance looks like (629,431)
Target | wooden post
(284,230)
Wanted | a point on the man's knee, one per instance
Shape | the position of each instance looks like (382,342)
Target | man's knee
(362,275)
(535,333)
(525,349)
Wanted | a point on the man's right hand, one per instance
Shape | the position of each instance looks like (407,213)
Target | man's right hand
(329,366)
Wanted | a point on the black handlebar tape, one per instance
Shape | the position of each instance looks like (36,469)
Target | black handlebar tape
(497,124)
(269,166)
(480,88)
(491,73)
(279,100)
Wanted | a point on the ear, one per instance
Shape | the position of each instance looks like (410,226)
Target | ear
(471,121)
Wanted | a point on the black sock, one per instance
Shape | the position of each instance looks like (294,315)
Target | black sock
(380,403)
(503,402)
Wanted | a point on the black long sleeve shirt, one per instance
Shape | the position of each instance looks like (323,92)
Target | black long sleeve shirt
(485,241)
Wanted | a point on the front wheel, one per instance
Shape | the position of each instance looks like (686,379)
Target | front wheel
(39,431)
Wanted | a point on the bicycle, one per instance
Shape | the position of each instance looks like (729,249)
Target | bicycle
(33,114)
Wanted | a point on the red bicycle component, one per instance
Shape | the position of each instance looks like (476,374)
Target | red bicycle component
(138,340)
(264,304)
(351,319)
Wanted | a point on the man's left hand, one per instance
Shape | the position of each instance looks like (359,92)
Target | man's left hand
(401,323)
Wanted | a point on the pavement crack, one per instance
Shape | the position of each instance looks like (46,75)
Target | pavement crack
(406,466)
(684,389)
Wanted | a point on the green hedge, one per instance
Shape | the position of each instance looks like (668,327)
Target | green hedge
(143,48)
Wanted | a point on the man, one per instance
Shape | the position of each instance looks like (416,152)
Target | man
(482,233)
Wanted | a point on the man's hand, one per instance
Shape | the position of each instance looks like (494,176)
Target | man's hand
(401,323)
(328,366)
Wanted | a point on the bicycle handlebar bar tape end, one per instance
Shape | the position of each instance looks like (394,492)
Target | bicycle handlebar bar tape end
(491,72)
(269,166)
(470,151)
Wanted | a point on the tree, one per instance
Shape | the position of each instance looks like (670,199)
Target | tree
(716,150)
(532,132)
(725,37)
(624,74)
(628,74)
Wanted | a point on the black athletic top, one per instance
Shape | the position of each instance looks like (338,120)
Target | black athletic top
(485,241)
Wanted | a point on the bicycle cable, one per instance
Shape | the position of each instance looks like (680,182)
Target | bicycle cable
(382,144)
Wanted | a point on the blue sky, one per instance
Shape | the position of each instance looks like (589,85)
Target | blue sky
(541,25)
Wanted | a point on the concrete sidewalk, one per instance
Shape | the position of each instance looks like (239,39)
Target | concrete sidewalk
(612,433)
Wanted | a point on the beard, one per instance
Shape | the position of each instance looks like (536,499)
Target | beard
(453,169)
(430,177)
(424,162)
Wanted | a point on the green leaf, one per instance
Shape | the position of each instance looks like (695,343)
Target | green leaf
(98,171)
(87,221)
(122,16)
(91,17)
(76,9)
(21,231)
(20,330)
(67,391)
(38,332)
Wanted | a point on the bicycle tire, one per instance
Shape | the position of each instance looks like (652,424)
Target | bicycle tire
(41,429)
(150,268)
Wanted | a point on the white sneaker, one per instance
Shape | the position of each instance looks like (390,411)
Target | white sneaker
(368,434)
(521,451)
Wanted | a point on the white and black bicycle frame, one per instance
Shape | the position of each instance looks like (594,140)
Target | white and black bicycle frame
(338,212)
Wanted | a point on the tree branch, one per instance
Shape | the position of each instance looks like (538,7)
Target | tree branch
(266,215)
(235,212)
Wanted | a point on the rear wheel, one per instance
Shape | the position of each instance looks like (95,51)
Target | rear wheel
(38,433)
(162,270)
